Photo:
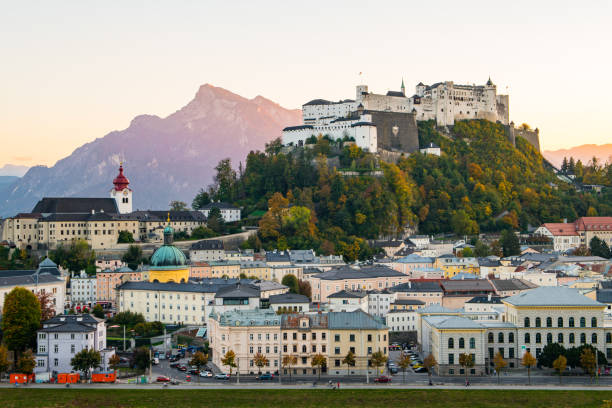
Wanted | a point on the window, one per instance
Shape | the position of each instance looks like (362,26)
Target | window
(527,322)
(451,359)
(71,336)
(72,348)
(608,337)
(549,338)
(294,336)
(337,350)
(538,322)
(351,337)
(461,342)
(491,338)
(451,343)
(56,349)
(369,350)
(560,322)
(572,338)
(594,338)
(593,322)
(472,343)
(314,336)
(538,338)
(582,338)
(560,338)
(336,337)
(303,336)
(369,337)
(582,322)
(510,352)
(510,337)
(55,362)
(549,322)
(571,322)
(500,337)
(501,352)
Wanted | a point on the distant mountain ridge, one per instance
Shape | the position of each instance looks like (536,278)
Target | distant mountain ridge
(165,158)
(13,170)
(583,152)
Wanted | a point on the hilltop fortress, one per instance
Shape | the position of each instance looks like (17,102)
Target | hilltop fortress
(388,122)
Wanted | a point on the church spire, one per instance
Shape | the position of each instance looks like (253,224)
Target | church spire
(403,87)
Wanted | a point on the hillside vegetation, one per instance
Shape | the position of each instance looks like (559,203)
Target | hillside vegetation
(480,183)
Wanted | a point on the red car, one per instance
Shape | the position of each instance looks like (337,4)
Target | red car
(163,378)
(382,379)
(182,368)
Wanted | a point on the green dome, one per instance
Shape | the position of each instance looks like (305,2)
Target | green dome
(168,255)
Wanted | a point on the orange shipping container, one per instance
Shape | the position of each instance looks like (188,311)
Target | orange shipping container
(103,377)
(68,378)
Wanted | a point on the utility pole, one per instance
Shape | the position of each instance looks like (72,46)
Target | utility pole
(165,340)
(238,371)
(124,337)
(150,366)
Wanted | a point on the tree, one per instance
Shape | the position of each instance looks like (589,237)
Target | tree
(292,282)
(200,200)
(559,365)
(20,319)
(305,289)
(587,361)
(229,360)
(4,360)
(114,361)
(199,360)
(429,363)
(462,224)
(260,361)
(98,311)
(202,232)
(215,220)
(133,256)
(481,249)
(510,243)
(582,250)
(85,360)
(404,363)
(125,237)
(319,361)
(141,358)
(349,360)
(378,359)
(496,249)
(550,353)
(500,364)
(466,361)
(47,310)
(288,362)
(225,180)
(26,362)
(529,361)
(599,247)
(178,206)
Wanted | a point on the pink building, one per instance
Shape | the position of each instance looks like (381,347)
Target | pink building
(108,280)
(199,270)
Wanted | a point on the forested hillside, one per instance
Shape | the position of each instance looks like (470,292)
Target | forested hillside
(331,196)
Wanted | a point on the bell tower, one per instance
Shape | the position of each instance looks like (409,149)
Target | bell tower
(121,192)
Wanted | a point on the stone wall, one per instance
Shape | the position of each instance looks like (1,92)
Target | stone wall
(532,136)
(396,130)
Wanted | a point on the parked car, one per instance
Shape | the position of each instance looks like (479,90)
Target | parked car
(420,370)
(266,377)
(182,368)
(206,374)
(194,371)
(174,358)
(174,365)
(382,379)
(163,378)
(222,376)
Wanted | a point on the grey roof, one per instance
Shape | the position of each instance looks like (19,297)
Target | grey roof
(316,321)
(221,206)
(346,272)
(207,244)
(47,263)
(354,320)
(344,294)
(73,205)
(604,295)
(417,286)
(238,290)
(551,296)
(396,93)
(452,322)
(288,298)
(468,285)
(437,308)
(28,280)
(69,328)
(408,302)
(282,256)
(173,287)
(488,262)
(79,318)
(485,299)
(511,284)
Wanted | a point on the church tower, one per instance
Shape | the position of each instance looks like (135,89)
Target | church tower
(403,89)
(122,193)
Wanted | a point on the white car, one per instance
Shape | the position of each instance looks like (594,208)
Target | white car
(205,374)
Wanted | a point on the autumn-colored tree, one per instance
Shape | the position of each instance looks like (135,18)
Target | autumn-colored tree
(4,360)
(404,362)
(199,360)
(229,359)
(500,364)
(26,362)
(114,361)
(587,361)
(20,319)
(349,360)
(559,365)
(582,250)
(260,361)
(47,309)
(319,361)
(529,362)
(378,360)
(466,361)
(288,362)
(429,363)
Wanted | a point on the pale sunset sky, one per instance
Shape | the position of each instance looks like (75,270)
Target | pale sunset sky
(72,71)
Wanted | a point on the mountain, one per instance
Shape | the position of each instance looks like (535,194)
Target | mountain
(165,159)
(13,170)
(582,152)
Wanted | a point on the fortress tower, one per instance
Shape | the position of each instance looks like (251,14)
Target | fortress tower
(121,192)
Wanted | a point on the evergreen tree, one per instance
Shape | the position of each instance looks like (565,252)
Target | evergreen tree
(510,243)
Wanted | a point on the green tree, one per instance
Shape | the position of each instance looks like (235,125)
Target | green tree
(319,361)
(125,237)
(224,181)
(292,282)
(77,257)
(85,360)
(500,364)
(559,365)
(141,358)
(462,224)
(349,360)
(260,361)
(550,353)
(133,257)
(481,249)
(599,247)
(528,361)
(510,243)
(98,311)
(200,200)
(26,362)
(229,359)
(176,205)
(466,361)
(20,319)
(215,221)
(378,360)
(202,233)
(4,360)
(404,362)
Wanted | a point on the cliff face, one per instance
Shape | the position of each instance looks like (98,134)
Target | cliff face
(165,158)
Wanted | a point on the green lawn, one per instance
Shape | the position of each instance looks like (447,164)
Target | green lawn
(28,398)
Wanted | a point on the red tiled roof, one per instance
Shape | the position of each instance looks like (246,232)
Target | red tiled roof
(594,224)
(560,228)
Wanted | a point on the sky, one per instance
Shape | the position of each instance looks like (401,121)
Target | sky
(72,71)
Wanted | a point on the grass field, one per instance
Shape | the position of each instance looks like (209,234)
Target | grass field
(91,398)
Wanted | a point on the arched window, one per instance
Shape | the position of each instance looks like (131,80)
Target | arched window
(527,338)
(304,349)
(593,322)
(549,338)
(571,322)
(491,338)
(572,338)
(451,343)
(526,322)
(608,337)
(538,338)
(500,337)
(560,338)
(582,338)
(510,337)
(594,338)
(560,322)
(461,342)
(472,343)
(582,322)
(549,322)
(538,322)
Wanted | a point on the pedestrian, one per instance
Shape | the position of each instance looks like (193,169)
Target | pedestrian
(338,384)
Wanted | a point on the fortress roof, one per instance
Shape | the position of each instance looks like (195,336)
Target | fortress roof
(300,127)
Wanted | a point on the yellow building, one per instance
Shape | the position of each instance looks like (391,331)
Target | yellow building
(453,266)
(168,263)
